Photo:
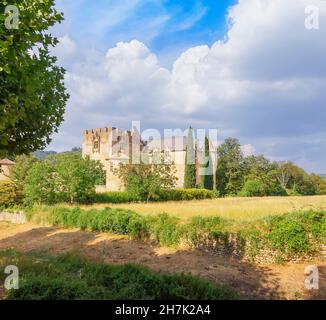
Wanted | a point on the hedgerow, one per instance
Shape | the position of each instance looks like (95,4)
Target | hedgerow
(291,235)
(162,195)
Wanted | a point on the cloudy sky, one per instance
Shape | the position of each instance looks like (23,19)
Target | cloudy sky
(249,68)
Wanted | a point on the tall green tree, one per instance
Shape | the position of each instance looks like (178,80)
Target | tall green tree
(206,174)
(76,177)
(32,92)
(229,172)
(190,162)
(64,177)
(23,164)
(260,171)
(39,184)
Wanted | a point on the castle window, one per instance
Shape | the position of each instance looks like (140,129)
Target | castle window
(96,145)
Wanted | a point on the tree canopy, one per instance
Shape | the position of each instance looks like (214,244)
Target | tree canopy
(32,92)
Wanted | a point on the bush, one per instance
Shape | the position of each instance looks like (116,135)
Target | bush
(186,194)
(8,194)
(116,197)
(166,229)
(294,234)
(162,195)
(253,188)
(53,278)
(289,237)
(118,221)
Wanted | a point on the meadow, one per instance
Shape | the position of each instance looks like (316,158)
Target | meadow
(241,209)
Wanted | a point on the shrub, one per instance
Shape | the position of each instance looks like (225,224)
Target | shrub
(166,229)
(186,194)
(253,188)
(289,237)
(8,194)
(162,195)
(116,197)
(54,278)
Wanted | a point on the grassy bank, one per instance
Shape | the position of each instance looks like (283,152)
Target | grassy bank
(244,209)
(287,236)
(71,277)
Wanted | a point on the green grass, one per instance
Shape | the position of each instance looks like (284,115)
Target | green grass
(70,277)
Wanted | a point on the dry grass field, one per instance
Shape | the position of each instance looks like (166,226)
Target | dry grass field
(245,209)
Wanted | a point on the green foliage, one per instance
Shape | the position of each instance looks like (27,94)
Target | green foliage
(253,188)
(162,195)
(166,229)
(186,194)
(8,194)
(319,184)
(147,179)
(117,221)
(265,175)
(116,197)
(299,181)
(290,237)
(63,178)
(70,277)
(206,169)
(295,234)
(190,162)
(40,185)
(32,92)
(23,164)
(229,173)
(77,177)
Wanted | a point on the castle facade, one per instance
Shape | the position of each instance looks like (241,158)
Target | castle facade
(112,146)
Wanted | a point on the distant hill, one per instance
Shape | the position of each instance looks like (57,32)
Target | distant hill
(323,175)
(42,155)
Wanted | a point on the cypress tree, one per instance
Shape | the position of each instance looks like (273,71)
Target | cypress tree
(206,178)
(190,163)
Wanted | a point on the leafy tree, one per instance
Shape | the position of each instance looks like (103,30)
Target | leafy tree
(259,168)
(190,162)
(8,194)
(32,92)
(148,178)
(283,173)
(300,181)
(229,173)
(76,177)
(206,174)
(319,184)
(40,184)
(23,164)
(64,177)
(253,188)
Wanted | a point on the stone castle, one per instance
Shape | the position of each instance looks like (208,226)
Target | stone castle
(112,146)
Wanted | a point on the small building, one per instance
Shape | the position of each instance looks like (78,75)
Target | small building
(6,166)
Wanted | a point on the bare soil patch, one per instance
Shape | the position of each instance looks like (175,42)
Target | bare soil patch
(251,281)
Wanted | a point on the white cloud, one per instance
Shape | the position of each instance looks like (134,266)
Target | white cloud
(266,81)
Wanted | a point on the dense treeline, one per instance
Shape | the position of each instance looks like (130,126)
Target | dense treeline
(67,177)
(237,175)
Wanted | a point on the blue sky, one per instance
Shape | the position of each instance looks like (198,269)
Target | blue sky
(167,27)
(249,68)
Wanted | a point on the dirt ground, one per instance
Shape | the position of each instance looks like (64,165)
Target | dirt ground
(251,281)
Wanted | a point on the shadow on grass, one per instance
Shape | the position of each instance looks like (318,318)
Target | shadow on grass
(252,282)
